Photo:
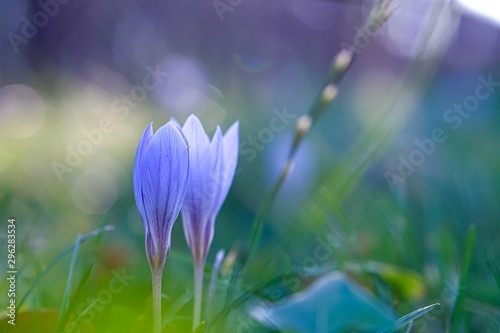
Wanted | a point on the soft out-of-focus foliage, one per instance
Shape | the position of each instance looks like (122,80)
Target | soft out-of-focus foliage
(332,304)
(76,96)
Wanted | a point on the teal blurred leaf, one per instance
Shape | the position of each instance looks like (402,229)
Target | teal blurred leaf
(333,303)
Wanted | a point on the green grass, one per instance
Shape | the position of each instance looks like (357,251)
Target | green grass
(413,249)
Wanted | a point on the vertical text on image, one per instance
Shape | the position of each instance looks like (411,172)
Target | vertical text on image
(11,270)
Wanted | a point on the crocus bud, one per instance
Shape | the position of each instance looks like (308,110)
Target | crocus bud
(161,173)
(212,166)
(211,173)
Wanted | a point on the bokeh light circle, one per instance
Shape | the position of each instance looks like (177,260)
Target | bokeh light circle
(94,192)
(407,32)
(183,89)
(316,14)
(22,108)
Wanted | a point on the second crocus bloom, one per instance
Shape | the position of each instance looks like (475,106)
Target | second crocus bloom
(211,172)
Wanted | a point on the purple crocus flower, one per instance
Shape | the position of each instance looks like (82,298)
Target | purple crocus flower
(212,167)
(210,176)
(161,173)
(160,180)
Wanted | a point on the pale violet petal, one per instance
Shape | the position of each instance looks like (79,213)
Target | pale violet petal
(216,183)
(175,123)
(195,134)
(143,143)
(199,197)
(212,169)
(174,120)
(164,174)
(230,153)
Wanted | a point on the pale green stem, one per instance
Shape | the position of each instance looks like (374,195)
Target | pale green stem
(199,268)
(156,275)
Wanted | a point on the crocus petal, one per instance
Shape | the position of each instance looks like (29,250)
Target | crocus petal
(231,146)
(210,177)
(143,143)
(193,130)
(198,199)
(176,123)
(214,186)
(164,169)
(230,158)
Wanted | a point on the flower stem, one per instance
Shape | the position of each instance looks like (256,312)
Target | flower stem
(199,267)
(156,275)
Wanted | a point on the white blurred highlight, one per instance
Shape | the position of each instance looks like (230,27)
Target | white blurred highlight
(489,9)
(405,32)
(22,108)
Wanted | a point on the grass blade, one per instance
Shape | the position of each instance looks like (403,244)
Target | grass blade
(495,270)
(169,316)
(83,313)
(85,277)
(67,291)
(456,315)
(409,318)
(59,258)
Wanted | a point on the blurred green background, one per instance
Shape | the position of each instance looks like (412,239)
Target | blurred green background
(78,89)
